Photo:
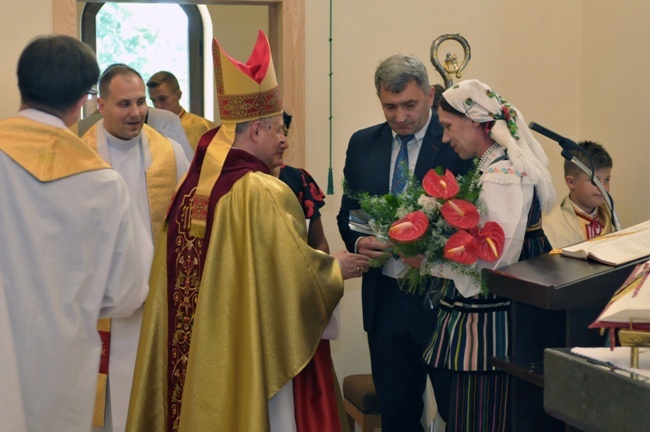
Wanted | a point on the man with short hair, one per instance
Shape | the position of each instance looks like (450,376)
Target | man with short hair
(72,242)
(163,121)
(165,93)
(239,300)
(152,165)
(398,324)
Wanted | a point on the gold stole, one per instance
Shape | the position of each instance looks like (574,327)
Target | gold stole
(161,178)
(194,126)
(213,161)
(46,152)
(161,182)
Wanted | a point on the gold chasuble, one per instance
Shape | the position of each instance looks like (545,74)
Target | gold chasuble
(62,155)
(237,299)
(161,181)
(226,325)
(194,126)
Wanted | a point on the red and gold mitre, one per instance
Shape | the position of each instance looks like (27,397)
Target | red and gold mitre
(246,91)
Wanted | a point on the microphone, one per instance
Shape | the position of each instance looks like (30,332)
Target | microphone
(567,145)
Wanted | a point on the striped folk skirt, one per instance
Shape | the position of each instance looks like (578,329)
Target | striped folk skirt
(469,332)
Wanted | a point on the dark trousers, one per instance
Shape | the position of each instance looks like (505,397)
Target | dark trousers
(401,329)
(441,381)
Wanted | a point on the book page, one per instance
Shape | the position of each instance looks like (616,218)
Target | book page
(618,358)
(615,248)
(631,302)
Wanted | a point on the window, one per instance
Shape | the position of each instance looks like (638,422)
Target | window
(149,38)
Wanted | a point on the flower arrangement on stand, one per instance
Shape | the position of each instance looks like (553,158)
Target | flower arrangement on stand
(438,219)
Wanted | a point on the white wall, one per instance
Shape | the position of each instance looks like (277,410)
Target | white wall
(236,27)
(614,96)
(18,25)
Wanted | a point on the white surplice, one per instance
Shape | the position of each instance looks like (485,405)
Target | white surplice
(165,122)
(12,413)
(131,158)
(67,259)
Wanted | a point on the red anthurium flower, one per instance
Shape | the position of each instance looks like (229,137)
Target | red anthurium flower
(460,214)
(410,228)
(489,241)
(444,187)
(461,248)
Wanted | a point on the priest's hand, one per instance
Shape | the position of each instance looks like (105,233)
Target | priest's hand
(352,265)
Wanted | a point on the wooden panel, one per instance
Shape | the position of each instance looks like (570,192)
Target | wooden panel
(292,53)
(558,283)
(64,17)
(89,25)
(287,38)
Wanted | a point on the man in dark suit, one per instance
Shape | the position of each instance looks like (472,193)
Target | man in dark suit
(398,324)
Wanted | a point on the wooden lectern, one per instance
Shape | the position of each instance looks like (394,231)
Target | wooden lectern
(554,299)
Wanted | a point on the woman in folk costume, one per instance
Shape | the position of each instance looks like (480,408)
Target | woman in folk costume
(516,187)
(238,300)
(312,199)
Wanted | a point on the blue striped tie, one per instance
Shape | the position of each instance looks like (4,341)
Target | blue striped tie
(401,169)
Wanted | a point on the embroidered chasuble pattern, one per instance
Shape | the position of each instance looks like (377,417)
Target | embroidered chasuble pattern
(187,258)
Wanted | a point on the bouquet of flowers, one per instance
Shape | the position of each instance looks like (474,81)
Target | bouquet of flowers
(437,219)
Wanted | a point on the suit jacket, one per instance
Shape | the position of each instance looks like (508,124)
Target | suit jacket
(367,169)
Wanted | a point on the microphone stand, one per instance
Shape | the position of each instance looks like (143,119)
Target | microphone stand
(567,147)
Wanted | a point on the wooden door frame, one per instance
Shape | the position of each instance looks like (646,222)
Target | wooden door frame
(287,39)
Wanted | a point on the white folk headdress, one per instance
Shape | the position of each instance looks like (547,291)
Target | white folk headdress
(482,105)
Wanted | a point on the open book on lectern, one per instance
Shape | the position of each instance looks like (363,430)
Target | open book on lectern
(615,248)
(630,304)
